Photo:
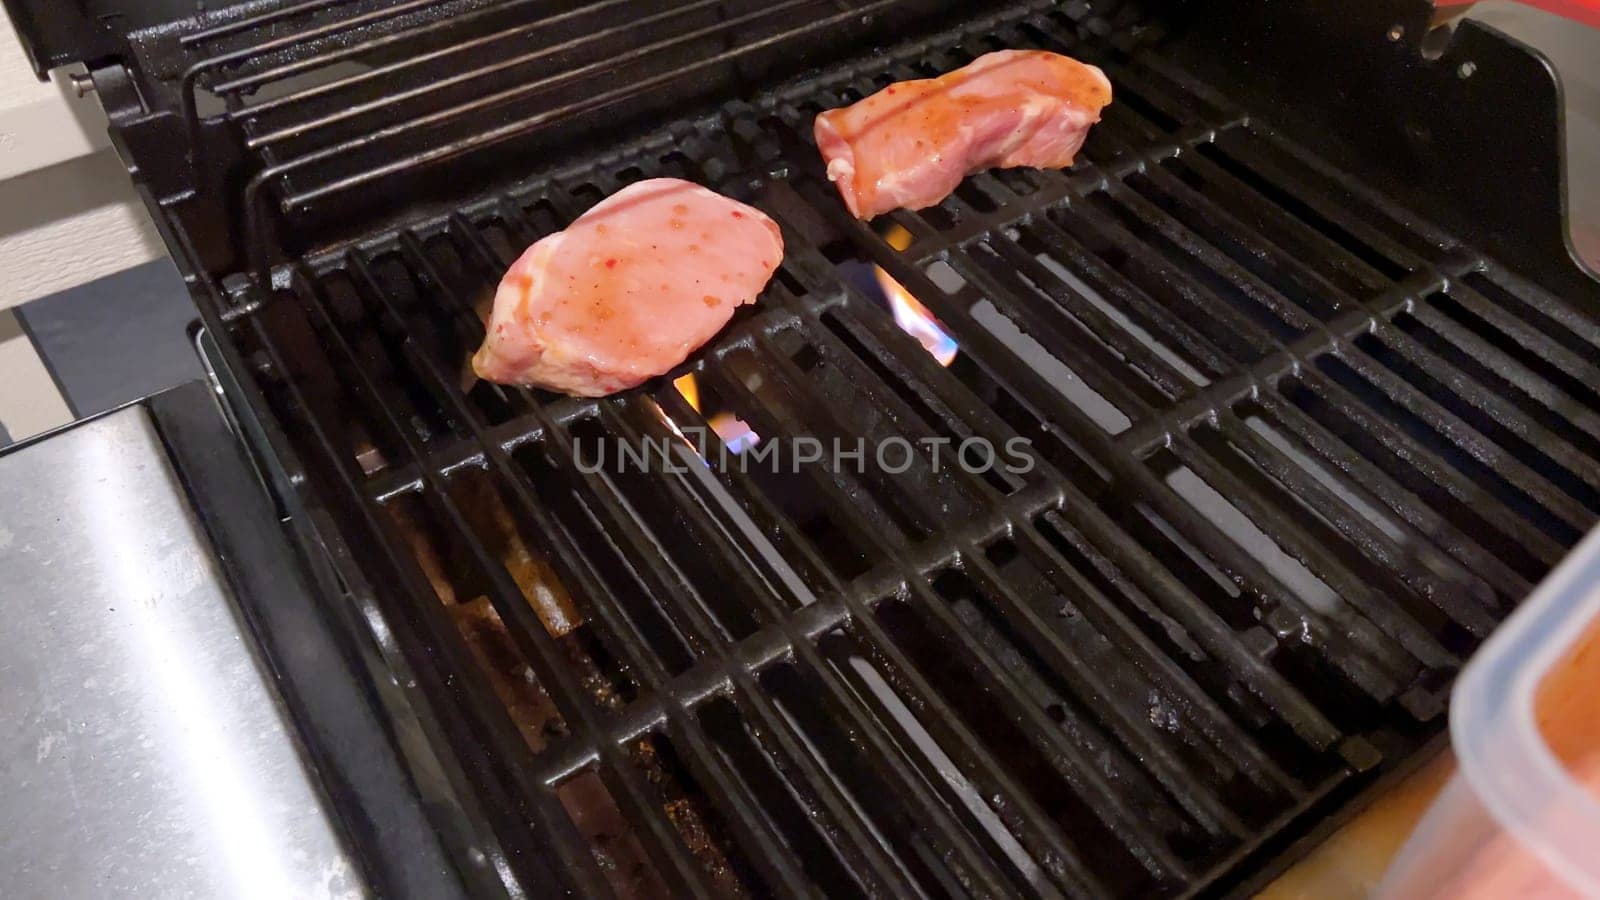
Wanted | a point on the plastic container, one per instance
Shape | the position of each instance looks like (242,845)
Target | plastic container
(1521,816)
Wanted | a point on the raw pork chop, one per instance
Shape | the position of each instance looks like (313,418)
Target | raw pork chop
(911,143)
(628,290)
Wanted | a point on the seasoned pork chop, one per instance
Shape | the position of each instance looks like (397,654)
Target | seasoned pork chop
(628,290)
(911,143)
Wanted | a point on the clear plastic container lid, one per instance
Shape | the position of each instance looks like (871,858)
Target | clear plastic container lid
(1521,817)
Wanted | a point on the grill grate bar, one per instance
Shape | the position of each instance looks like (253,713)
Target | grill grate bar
(1079,771)
(501,133)
(664,582)
(1247,155)
(1099,693)
(965,861)
(1018,811)
(658,835)
(1235,166)
(442,641)
(1519,474)
(1151,434)
(738,489)
(1084,180)
(1561,362)
(1351,655)
(1380,610)
(192,76)
(1290,311)
(1136,574)
(983,347)
(1203,251)
(1200,709)
(729,385)
(1565,454)
(399,98)
(1226,327)
(756,653)
(1359,278)
(1499,409)
(1064,660)
(1459,267)
(973,862)
(1368,477)
(1313,804)
(1532,484)
(1185,264)
(903,413)
(1145,751)
(1353,648)
(832,487)
(246,83)
(1011,298)
(1425,460)
(1208,216)
(659,577)
(1442,582)
(458,698)
(1026,819)
(1513,372)
(1143,309)
(761,650)
(256,21)
(255,213)
(1307,549)
(640,658)
(1208,812)
(1164,374)
(1584,328)
(852,840)
(622,632)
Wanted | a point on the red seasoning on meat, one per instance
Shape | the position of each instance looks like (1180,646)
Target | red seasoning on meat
(628,290)
(911,143)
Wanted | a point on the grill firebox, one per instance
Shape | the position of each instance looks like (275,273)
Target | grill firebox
(1297,452)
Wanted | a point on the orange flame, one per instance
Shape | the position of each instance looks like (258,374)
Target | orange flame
(689,389)
(909,313)
(732,430)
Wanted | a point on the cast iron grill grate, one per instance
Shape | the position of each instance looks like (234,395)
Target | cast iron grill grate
(331,104)
(1298,452)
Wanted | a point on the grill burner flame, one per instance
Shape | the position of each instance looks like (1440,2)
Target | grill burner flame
(909,313)
(734,433)
(689,390)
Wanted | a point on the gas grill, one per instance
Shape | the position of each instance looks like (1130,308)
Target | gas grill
(1308,370)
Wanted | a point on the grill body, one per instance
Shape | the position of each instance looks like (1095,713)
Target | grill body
(1309,377)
